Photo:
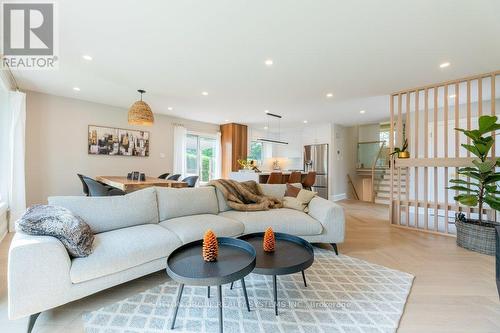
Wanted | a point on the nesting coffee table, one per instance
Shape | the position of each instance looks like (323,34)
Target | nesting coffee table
(292,255)
(236,260)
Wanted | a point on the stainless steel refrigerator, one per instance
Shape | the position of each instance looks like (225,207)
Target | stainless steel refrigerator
(316,159)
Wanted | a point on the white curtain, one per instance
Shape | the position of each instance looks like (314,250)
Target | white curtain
(180,133)
(218,157)
(13,126)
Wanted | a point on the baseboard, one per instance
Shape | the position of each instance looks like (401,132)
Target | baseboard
(337,197)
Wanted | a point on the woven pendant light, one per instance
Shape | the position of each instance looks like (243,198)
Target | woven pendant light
(140,113)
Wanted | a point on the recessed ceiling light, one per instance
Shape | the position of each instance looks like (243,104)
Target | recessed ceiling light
(265,127)
(76,89)
(170,108)
(452,96)
(362,111)
(444,65)
(305,121)
(266,111)
(87,57)
(204,93)
(269,62)
(329,95)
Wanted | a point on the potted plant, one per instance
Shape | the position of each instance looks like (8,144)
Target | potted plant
(403,151)
(478,235)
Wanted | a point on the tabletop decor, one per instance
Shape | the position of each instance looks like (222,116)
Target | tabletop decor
(210,249)
(478,188)
(269,242)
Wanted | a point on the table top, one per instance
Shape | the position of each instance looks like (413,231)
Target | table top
(292,254)
(129,185)
(236,260)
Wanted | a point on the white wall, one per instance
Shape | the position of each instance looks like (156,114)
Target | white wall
(369,132)
(56,144)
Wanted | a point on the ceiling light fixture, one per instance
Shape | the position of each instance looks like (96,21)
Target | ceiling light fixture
(204,93)
(265,127)
(329,95)
(226,120)
(272,141)
(140,113)
(266,111)
(170,108)
(87,57)
(444,65)
(305,121)
(76,89)
(362,111)
(269,62)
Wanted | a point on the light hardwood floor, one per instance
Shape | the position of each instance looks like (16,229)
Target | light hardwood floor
(454,289)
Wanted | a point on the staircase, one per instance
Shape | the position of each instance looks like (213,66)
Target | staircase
(382,185)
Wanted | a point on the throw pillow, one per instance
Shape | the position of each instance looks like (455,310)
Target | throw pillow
(58,222)
(291,191)
(300,201)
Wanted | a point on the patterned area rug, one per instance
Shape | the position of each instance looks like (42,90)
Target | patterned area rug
(343,294)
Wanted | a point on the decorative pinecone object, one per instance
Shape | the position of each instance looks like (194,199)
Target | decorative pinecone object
(269,241)
(210,246)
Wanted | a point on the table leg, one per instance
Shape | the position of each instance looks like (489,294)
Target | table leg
(304,278)
(208,292)
(221,323)
(179,295)
(245,293)
(275,290)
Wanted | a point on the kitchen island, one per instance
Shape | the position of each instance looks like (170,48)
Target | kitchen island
(261,177)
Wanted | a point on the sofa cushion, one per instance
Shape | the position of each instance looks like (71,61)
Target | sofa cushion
(177,202)
(191,228)
(119,250)
(281,220)
(110,213)
(223,206)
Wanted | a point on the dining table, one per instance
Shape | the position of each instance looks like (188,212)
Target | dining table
(130,185)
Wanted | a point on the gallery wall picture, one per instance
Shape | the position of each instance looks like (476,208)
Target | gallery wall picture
(117,141)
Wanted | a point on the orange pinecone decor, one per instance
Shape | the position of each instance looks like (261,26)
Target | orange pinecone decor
(269,241)
(210,246)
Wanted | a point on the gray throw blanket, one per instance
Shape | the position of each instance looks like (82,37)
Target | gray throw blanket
(245,196)
(58,222)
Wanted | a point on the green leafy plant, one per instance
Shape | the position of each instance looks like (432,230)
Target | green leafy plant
(482,187)
(403,148)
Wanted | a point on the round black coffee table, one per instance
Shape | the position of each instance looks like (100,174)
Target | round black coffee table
(292,255)
(185,265)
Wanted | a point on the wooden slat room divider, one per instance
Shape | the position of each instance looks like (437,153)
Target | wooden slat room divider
(426,116)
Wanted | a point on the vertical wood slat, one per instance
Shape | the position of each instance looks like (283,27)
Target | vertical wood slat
(417,97)
(407,180)
(457,125)
(400,135)
(480,97)
(469,125)
(493,111)
(426,155)
(435,137)
(391,149)
(445,122)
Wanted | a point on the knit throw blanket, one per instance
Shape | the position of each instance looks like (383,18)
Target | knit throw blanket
(245,196)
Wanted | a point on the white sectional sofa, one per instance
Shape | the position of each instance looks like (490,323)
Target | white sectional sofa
(134,235)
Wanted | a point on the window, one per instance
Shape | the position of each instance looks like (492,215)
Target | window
(200,157)
(256,151)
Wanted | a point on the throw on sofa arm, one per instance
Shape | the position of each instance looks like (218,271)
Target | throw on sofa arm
(38,274)
(331,216)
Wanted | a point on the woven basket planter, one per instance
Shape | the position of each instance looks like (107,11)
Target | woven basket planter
(475,237)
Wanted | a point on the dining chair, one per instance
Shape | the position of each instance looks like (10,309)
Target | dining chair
(164,176)
(295,177)
(85,187)
(97,189)
(174,177)
(275,178)
(309,180)
(191,180)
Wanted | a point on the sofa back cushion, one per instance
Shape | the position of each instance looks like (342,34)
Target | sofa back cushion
(115,212)
(177,202)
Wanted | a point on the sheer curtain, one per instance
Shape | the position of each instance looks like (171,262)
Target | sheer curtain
(180,133)
(218,157)
(12,150)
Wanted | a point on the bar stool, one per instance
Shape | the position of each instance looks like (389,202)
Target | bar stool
(309,180)
(295,177)
(275,178)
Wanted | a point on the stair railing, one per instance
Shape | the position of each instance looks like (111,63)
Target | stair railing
(374,165)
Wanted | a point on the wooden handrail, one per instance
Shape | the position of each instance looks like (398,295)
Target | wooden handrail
(373,171)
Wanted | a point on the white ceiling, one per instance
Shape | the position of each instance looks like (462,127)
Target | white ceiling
(358,50)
